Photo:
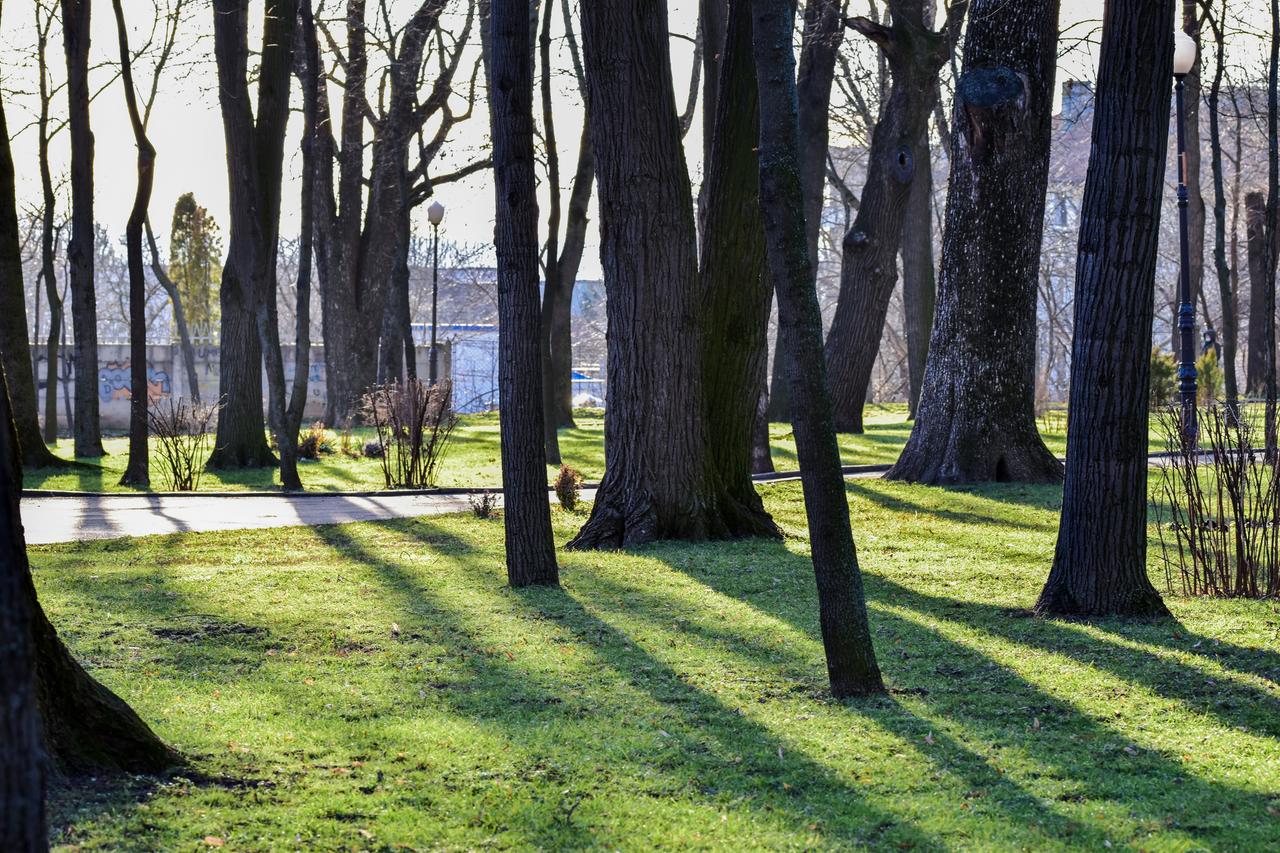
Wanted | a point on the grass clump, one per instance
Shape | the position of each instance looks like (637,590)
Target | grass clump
(378,686)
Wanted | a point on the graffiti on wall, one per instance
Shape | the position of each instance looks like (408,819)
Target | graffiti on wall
(114,382)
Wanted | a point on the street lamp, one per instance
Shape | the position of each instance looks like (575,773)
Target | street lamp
(435,213)
(1184,57)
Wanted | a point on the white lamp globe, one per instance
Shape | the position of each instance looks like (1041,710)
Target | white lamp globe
(435,213)
(1184,53)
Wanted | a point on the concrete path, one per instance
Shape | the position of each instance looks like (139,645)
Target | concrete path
(68,518)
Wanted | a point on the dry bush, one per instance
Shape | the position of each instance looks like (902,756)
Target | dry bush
(414,421)
(1217,508)
(568,486)
(484,505)
(183,431)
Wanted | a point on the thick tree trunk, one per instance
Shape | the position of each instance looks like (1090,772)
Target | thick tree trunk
(976,421)
(846,634)
(15,347)
(1255,207)
(736,293)
(241,440)
(820,43)
(659,482)
(86,727)
(138,470)
(530,549)
(919,284)
(80,250)
(869,266)
(1100,565)
(22,760)
(1226,291)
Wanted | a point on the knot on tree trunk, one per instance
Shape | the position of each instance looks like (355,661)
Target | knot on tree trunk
(994,101)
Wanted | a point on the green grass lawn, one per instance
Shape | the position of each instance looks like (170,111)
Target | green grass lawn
(473,457)
(378,687)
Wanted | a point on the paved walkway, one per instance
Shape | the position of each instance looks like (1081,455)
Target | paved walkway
(72,518)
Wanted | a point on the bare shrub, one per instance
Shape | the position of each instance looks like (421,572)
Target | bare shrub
(484,505)
(1217,508)
(568,486)
(183,430)
(414,421)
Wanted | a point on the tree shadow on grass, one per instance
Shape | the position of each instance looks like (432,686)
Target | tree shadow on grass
(714,755)
(1095,760)
(982,504)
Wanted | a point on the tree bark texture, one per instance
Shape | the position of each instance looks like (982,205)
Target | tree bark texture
(138,470)
(820,43)
(22,760)
(530,548)
(255,153)
(919,281)
(553,287)
(659,481)
(869,266)
(1100,564)
(976,421)
(86,728)
(846,634)
(736,292)
(1255,207)
(15,347)
(1226,290)
(80,249)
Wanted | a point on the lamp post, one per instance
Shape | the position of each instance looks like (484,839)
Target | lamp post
(435,213)
(1184,58)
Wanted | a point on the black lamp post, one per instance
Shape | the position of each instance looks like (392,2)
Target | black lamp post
(435,213)
(1184,58)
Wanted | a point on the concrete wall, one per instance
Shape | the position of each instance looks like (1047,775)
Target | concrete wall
(167,377)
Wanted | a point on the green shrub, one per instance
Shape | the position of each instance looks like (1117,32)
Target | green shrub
(1164,378)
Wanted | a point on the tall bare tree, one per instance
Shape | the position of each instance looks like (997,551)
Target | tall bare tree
(846,634)
(530,549)
(1100,565)
(976,420)
(137,472)
(255,155)
(84,313)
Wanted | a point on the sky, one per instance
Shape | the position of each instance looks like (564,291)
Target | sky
(186,127)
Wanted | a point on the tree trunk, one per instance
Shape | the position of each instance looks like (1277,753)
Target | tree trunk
(1255,207)
(138,470)
(1100,565)
(736,294)
(659,482)
(846,634)
(15,347)
(179,312)
(919,285)
(86,727)
(575,238)
(241,441)
(976,421)
(1230,310)
(530,549)
(554,287)
(48,265)
(23,760)
(820,43)
(869,266)
(80,250)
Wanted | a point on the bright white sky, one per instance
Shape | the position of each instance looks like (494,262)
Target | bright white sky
(187,132)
